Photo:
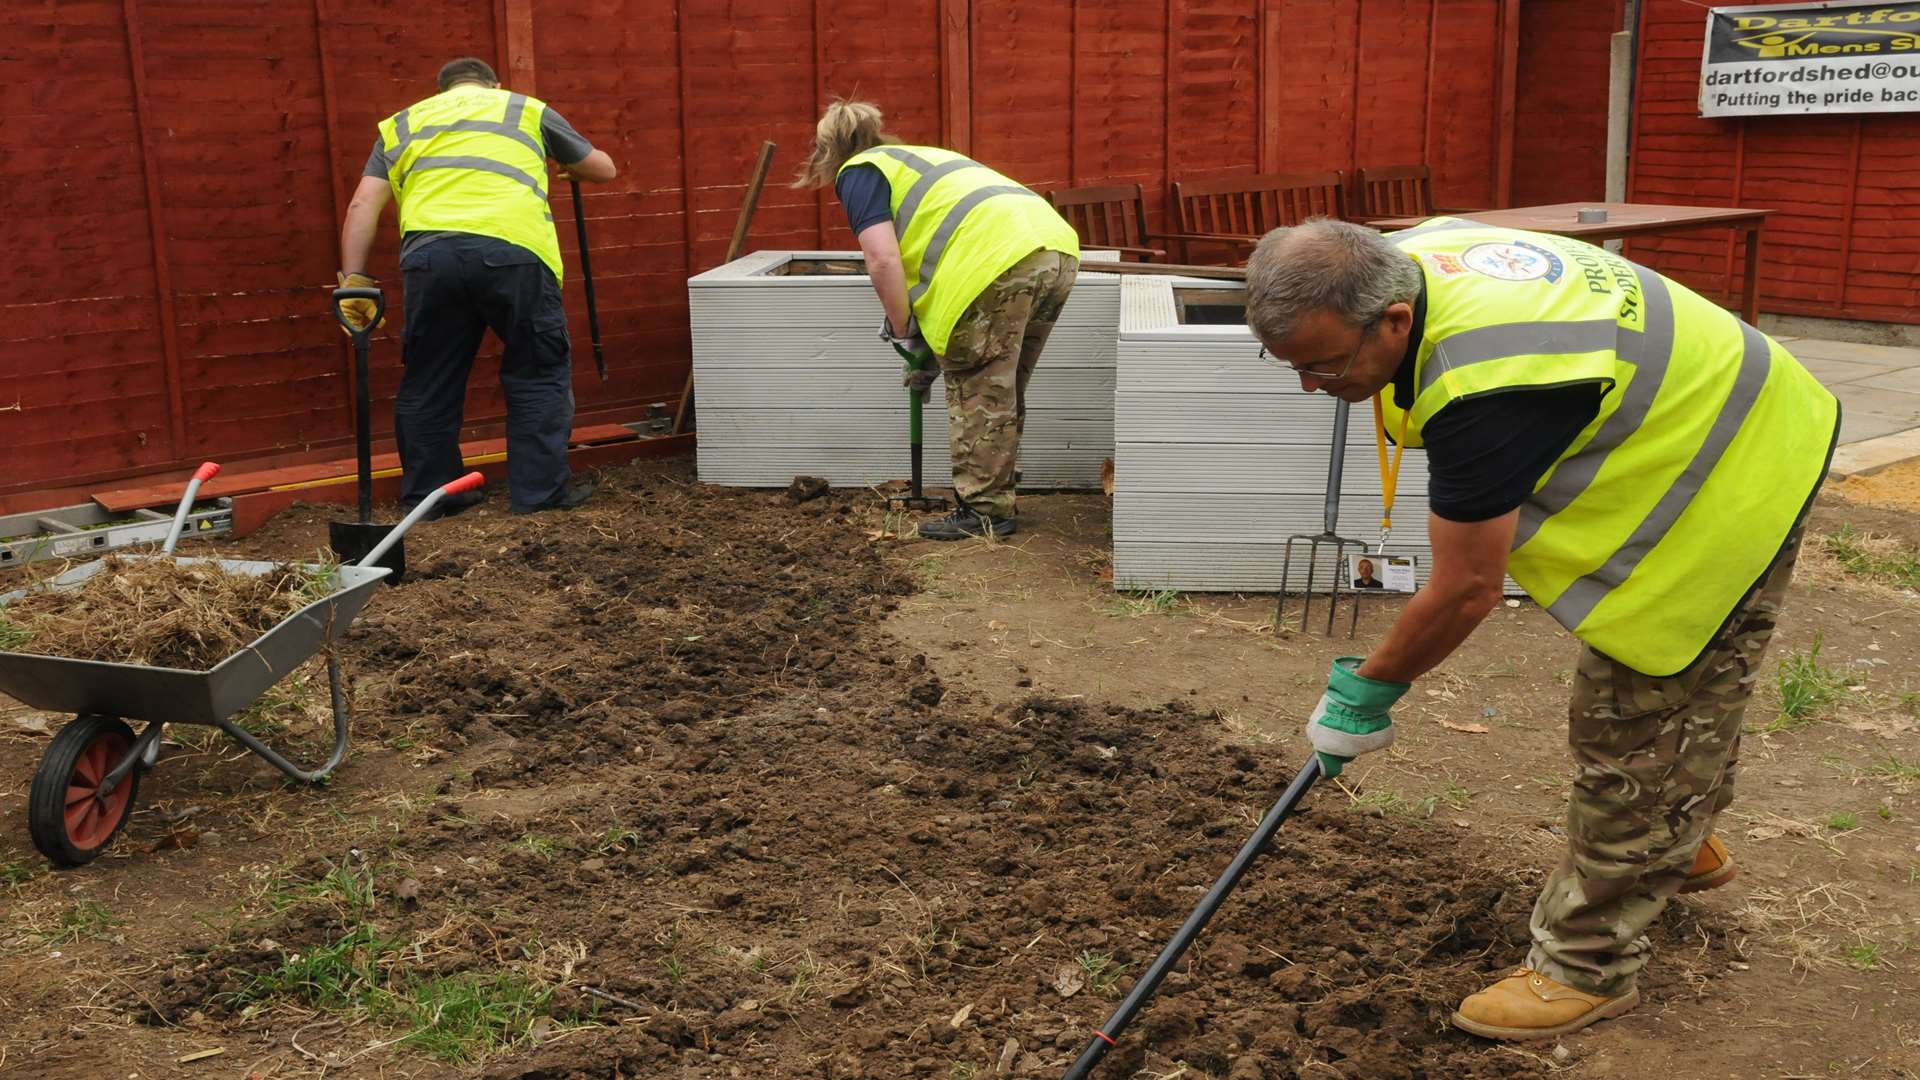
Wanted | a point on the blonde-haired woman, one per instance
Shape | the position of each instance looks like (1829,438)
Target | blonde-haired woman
(972,269)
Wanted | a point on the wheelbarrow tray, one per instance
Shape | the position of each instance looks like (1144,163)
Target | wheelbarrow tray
(178,695)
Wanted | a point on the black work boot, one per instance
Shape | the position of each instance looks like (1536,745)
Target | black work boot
(571,496)
(963,523)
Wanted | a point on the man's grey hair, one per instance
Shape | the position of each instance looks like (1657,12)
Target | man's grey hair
(1350,270)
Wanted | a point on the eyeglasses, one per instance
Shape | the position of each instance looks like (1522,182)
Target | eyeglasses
(1366,331)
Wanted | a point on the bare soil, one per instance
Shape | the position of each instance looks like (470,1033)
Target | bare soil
(813,802)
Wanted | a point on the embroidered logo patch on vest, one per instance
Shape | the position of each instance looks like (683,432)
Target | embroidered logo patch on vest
(1514,261)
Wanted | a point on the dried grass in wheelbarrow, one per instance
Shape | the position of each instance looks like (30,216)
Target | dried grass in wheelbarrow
(159,612)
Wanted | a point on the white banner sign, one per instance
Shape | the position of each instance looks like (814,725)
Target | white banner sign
(1811,58)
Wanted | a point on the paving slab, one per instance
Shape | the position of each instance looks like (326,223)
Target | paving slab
(1887,356)
(1835,372)
(1904,380)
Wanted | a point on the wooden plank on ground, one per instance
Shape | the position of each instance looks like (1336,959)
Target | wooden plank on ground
(253,509)
(238,482)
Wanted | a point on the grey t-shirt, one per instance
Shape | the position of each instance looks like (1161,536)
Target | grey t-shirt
(562,143)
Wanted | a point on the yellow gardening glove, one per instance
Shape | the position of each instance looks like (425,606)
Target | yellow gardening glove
(359,312)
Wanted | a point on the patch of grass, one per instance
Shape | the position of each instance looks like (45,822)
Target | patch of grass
(1133,605)
(1885,812)
(1390,801)
(1807,686)
(616,839)
(1868,556)
(86,920)
(12,636)
(542,847)
(455,1018)
(1895,769)
(13,875)
(1103,973)
(1844,820)
(676,968)
(462,1017)
(342,887)
(1864,955)
(343,974)
(800,987)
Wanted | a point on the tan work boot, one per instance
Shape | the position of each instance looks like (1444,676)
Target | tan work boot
(1712,867)
(1528,1005)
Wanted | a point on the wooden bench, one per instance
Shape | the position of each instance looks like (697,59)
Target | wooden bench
(1236,211)
(1393,191)
(1111,217)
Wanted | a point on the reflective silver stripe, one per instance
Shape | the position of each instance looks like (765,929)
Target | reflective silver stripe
(1507,340)
(908,157)
(509,127)
(1649,352)
(483,165)
(918,192)
(937,245)
(1434,227)
(1580,598)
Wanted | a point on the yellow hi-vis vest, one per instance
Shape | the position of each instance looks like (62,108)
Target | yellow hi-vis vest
(472,160)
(961,225)
(1709,444)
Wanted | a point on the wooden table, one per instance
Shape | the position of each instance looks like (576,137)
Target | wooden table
(1624,220)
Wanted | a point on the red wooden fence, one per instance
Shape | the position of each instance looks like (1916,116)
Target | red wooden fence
(1845,241)
(172,171)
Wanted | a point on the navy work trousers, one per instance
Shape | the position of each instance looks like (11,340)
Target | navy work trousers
(456,289)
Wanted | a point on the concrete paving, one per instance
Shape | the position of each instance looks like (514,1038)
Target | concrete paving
(1878,387)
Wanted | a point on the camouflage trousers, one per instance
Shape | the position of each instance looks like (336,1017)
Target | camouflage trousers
(989,360)
(1655,765)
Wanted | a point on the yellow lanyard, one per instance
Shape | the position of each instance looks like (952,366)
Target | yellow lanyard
(1389,469)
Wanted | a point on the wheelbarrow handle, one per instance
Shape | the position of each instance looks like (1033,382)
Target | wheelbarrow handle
(359,292)
(466,483)
(207,471)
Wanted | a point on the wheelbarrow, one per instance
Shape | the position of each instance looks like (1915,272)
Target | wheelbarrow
(84,787)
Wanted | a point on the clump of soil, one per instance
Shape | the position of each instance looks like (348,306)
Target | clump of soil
(159,612)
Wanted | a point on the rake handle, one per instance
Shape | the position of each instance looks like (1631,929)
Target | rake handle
(1107,1036)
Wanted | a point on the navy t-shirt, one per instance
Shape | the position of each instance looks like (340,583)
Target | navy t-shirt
(1485,454)
(866,195)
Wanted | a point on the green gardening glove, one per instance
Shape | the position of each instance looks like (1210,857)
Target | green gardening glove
(1351,718)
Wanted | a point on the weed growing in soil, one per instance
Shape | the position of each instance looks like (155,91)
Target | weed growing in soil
(543,848)
(1864,955)
(13,875)
(86,920)
(1868,556)
(1843,821)
(1103,973)
(1134,605)
(346,890)
(344,974)
(11,636)
(615,840)
(1897,770)
(1806,687)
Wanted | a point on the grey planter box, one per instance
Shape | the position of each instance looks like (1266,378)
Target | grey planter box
(1219,456)
(791,379)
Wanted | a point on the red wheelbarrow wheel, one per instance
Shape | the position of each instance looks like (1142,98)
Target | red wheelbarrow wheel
(70,821)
